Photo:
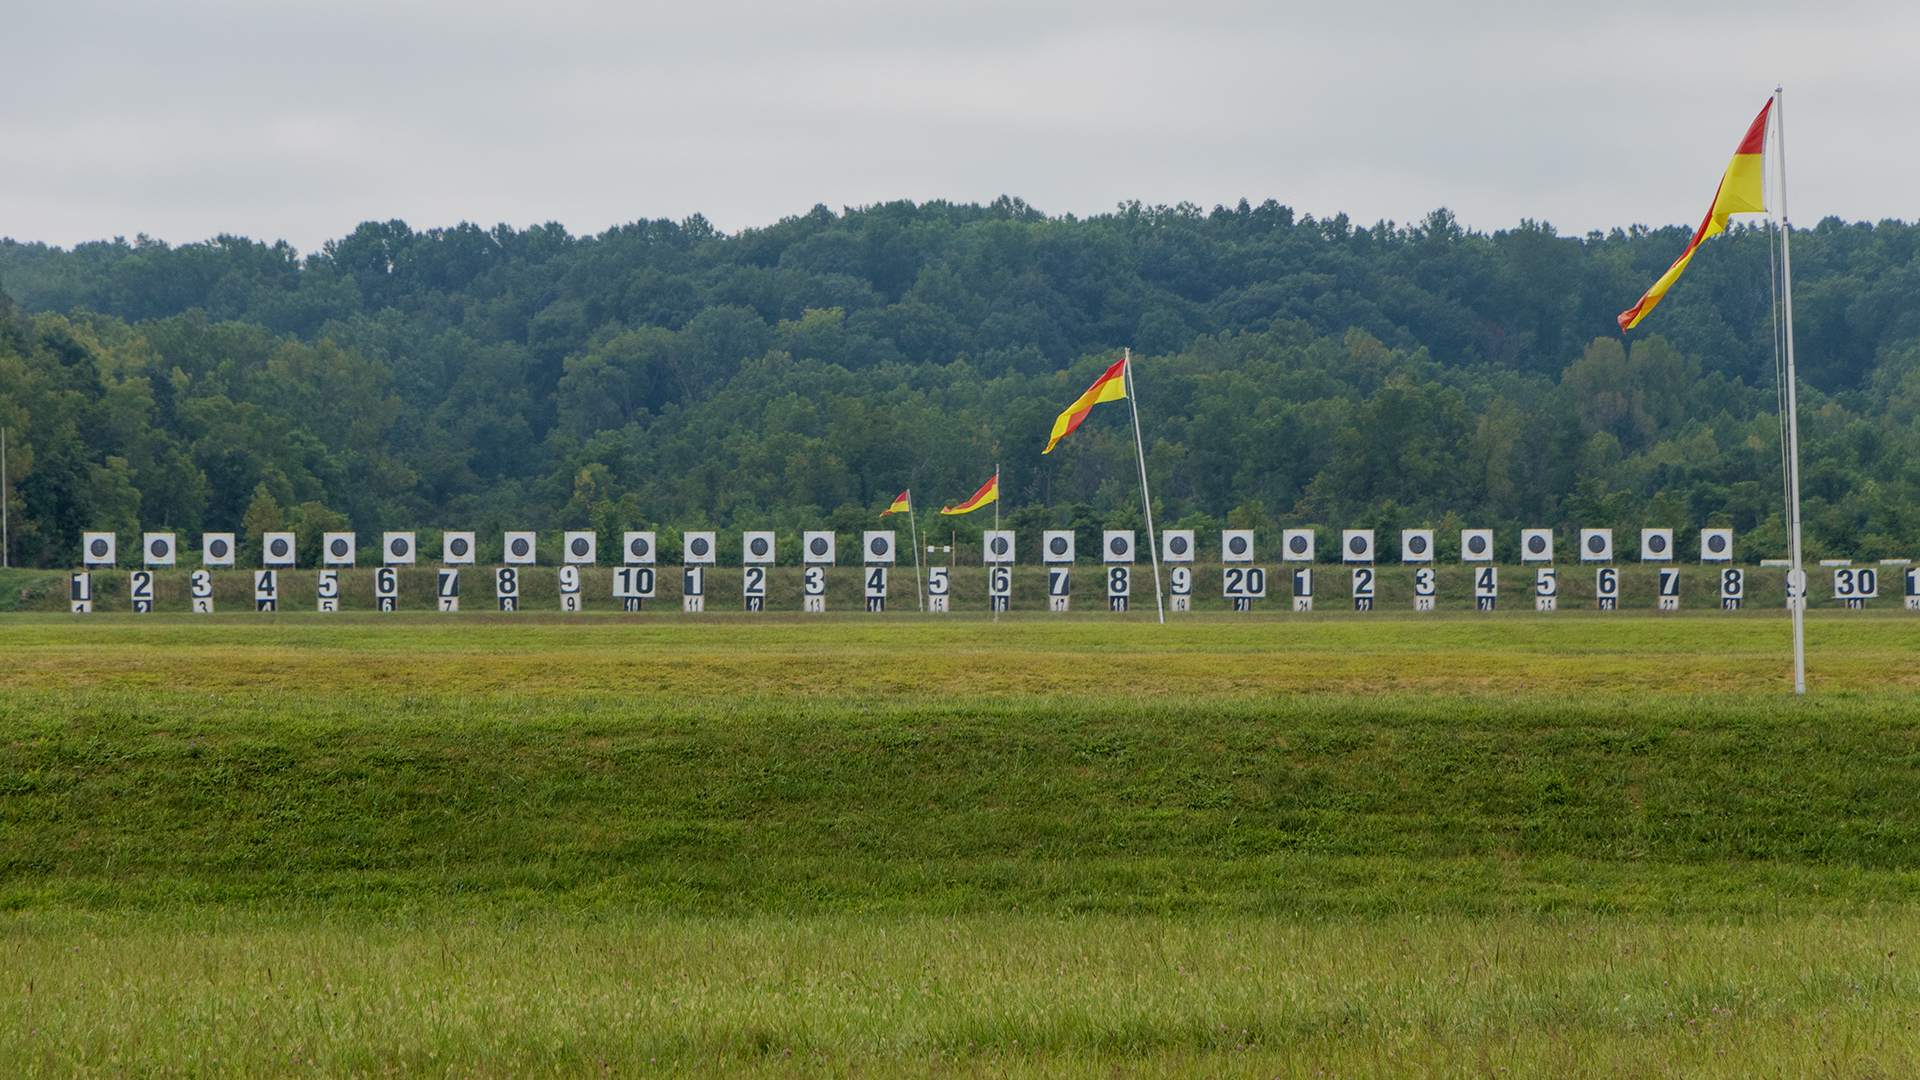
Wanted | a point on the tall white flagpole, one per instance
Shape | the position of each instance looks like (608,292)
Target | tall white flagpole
(1797,571)
(914,524)
(6,537)
(996,528)
(1139,447)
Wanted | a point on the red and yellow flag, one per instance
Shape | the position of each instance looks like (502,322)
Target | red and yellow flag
(1739,193)
(1109,387)
(901,504)
(989,492)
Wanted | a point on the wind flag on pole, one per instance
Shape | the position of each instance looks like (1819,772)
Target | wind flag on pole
(901,505)
(989,492)
(1739,193)
(1109,387)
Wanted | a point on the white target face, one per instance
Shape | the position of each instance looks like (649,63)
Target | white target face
(996,547)
(816,548)
(1416,545)
(217,549)
(1296,545)
(756,548)
(1656,545)
(1116,546)
(1356,545)
(877,546)
(159,549)
(1536,545)
(1236,545)
(98,548)
(1176,545)
(399,549)
(337,549)
(637,548)
(580,548)
(699,549)
(1056,546)
(276,549)
(1476,545)
(1716,545)
(519,549)
(457,549)
(1596,545)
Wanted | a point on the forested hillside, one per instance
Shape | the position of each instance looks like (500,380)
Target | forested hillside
(1295,371)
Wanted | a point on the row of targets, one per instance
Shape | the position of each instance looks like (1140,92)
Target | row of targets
(1242,582)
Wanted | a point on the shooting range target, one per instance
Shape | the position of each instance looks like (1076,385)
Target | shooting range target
(999,587)
(570,581)
(1486,587)
(386,589)
(1596,545)
(1302,591)
(1116,546)
(518,550)
(506,587)
(1733,588)
(580,548)
(1546,589)
(276,549)
(1296,545)
(633,586)
(1476,545)
(1176,545)
(817,547)
(457,549)
(140,591)
(1416,545)
(1056,546)
(877,547)
(939,589)
(757,547)
(1716,545)
(1656,545)
(1363,588)
(996,547)
(1236,545)
(338,549)
(1426,584)
(1060,586)
(699,549)
(200,591)
(1536,545)
(326,590)
(446,589)
(80,592)
(1669,588)
(1180,587)
(876,582)
(1855,587)
(1356,546)
(217,549)
(98,549)
(1606,588)
(399,549)
(159,549)
(266,589)
(637,548)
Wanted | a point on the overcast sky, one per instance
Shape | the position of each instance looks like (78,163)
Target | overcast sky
(186,118)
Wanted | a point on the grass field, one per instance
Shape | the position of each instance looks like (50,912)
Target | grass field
(1585,844)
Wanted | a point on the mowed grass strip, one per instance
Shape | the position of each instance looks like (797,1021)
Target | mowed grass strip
(1302,804)
(218,993)
(937,658)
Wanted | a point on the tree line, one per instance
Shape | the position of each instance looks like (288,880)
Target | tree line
(1291,371)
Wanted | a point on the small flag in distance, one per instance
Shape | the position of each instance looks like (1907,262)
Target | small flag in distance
(1109,387)
(989,492)
(902,504)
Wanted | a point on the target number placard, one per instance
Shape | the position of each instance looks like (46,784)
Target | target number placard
(326,590)
(999,588)
(1180,587)
(753,586)
(1363,588)
(1059,588)
(876,584)
(632,586)
(1606,588)
(1854,587)
(200,591)
(939,589)
(1669,588)
(80,592)
(386,589)
(1486,587)
(446,589)
(506,587)
(1733,588)
(570,587)
(1546,589)
(693,589)
(140,591)
(1426,585)
(266,590)
(1912,579)
(1302,592)
(1119,586)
